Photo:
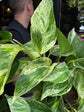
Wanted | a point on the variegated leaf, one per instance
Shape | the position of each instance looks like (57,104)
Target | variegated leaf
(32,75)
(43,27)
(8,53)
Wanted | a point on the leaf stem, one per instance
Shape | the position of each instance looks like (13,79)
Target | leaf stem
(18,42)
(11,81)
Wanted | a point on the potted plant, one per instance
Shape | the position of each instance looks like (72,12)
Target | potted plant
(38,72)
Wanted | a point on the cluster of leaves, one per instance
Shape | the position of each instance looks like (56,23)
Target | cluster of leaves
(76,3)
(37,72)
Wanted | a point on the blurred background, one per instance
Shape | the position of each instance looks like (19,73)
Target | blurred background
(68,14)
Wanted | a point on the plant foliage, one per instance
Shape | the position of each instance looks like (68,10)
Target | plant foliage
(38,72)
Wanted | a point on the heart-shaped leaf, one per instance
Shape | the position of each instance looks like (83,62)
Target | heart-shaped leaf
(8,53)
(43,27)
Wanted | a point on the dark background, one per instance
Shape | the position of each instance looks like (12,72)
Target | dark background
(66,17)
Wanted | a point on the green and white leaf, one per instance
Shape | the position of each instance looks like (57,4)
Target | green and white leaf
(8,53)
(50,89)
(81,106)
(26,105)
(76,43)
(60,74)
(30,50)
(19,105)
(57,105)
(37,106)
(23,61)
(32,75)
(43,27)
(77,63)
(78,82)
(55,50)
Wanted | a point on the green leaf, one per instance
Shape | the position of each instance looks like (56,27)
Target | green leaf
(3,105)
(32,75)
(30,50)
(58,105)
(81,106)
(74,3)
(36,88)
(78,82)
(76,43)
(23,61)
(19,105)
(56,51)
(13,69)
(77,63)
(43,27)
(5,37)
(64,45)
(50,89)
(37,106)
(60,74)
(27,105)
(8,53)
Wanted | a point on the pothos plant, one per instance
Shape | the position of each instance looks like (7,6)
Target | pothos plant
(37,71)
